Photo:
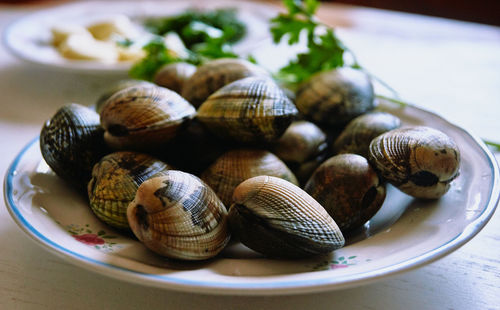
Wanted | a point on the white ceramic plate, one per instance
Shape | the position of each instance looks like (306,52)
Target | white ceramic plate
(405,234)
(29,37)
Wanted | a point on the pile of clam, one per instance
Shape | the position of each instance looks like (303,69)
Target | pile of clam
(222,149)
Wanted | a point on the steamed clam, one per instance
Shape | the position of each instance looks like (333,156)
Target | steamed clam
(276,218)
(116,87)
(420,161)
(174,75)
(180,217)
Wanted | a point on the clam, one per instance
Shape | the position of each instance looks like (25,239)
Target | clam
(302,147)
(180,217)
(71,142)
(333,98)
(348,188)
(215,74)
(142,117)
(115,179)
(235,166)
(116,87)
(174,75)
(276,218)
(420,161)
(357,135)
(250,110)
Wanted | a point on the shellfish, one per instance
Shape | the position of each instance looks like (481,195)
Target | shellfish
(174,75)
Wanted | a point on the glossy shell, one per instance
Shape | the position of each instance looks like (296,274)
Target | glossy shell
(357,135)
(174,75)
(180,217)
(116,87)
(420,161)
(276,218)
(143,117)
(71,142)
(333,98)
(214,74)
(115,179)
(348,188)
(250,110)
(302,147)
(235,166)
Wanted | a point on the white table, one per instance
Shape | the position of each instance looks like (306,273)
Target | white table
(449,67)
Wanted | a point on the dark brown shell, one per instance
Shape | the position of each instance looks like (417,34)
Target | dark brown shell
(348,188)
(174,75)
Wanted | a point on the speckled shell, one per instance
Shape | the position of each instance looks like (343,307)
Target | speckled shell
(250,110)
(115,179)
(420,161)
(302,147)
(357,135)
(348,188)
(215,74)
(71,142)
(235,166)
(333,98)
(278,219)
(116,87)
(180,217)
(174,75)
(143,117)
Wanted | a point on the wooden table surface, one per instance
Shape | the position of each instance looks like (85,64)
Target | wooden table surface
(449,67)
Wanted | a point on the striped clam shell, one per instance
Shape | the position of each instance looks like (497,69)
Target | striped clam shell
(420,161)
(250,110)
(333,98)
(115,179)
(174,75)
(141,117)
(235,166)
(180,217)
(214,74)
(116,87)
(278,219)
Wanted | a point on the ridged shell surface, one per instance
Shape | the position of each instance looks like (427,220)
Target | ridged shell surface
(142,117)
(116,87)
(174,75)
(215,74)
(180,217)
(71,142)
(333,98)
(278,219)
(235,166)
(250,110)
(420,161)
(115,180)
(348,188)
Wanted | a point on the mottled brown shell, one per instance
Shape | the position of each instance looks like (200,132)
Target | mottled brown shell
(235,166)
(71,142)
(348,188)
(174,75)
(276,218)
(115,179)
(116,87)
(357,135)
(143,117)
(180,217)
(250,110)
(420,161)
(333,98)
(214,74)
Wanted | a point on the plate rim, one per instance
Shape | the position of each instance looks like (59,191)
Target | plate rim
(279,287)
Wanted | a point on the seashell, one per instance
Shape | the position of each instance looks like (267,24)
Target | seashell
(420,161)
(333,98)
(142,117)
(115,179)
(180,217)
(357,135)
(71,142)
(235,166)
(174,75)
(276,218)
(348,188)
(302,147)
(250,110)
(116,87)
(214,74)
